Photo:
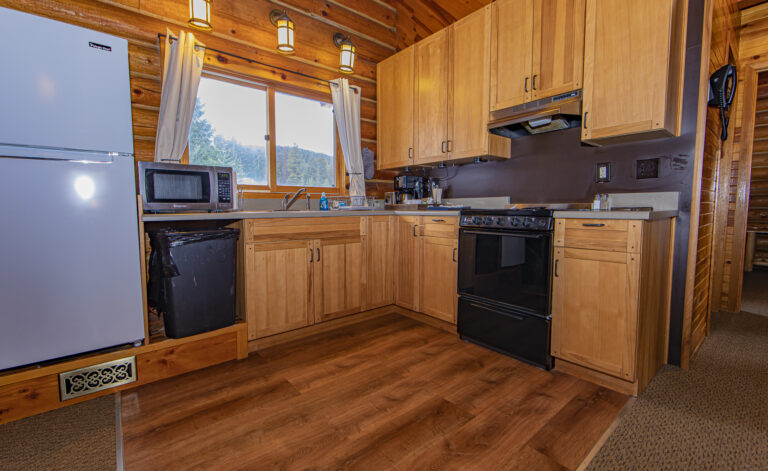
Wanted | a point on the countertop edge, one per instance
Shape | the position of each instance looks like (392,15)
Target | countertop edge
(239,215)
(629,215)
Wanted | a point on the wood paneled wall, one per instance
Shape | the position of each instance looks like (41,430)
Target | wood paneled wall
(731,228)
(757,219)
(723,48)
(242,28)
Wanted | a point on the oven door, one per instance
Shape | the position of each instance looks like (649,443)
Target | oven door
(173,189)
(510,268)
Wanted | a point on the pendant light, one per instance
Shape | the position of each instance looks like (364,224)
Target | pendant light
(347,54)
(200,14)
(285,27)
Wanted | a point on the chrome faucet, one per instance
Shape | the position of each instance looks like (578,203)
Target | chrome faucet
(288,200)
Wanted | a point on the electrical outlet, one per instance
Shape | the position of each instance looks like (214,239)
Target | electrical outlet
(603,172)
(647,168)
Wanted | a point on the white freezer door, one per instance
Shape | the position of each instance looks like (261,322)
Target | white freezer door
(69,258)
(63,87)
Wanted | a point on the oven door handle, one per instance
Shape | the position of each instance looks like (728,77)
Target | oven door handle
(508,314)
(507,234)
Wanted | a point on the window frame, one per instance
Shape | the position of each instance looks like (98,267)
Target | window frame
(272,189)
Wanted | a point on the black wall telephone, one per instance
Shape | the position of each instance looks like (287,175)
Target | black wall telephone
(722,89)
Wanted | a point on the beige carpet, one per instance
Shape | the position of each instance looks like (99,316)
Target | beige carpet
(712,417)
(79,437)
(754,293)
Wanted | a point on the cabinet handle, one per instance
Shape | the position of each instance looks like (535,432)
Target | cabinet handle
(442,147)
(318,254)
(584,123)
(526,85)
(448,145)
(533,82)
(454,253)
(311,255)
(414,230)
(410,152)
(592,224)
(438,220)
(556,262)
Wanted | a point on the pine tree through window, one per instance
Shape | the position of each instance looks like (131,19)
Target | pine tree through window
(230,123)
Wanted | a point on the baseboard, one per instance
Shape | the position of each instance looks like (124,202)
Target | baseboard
(426,319)
(601,379)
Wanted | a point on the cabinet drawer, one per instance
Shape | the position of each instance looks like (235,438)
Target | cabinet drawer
(281,229)
(440,226)
(613,235)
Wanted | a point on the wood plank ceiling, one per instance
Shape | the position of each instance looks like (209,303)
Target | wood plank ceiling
(417,19)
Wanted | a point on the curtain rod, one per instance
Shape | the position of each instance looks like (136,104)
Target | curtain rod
(253,61)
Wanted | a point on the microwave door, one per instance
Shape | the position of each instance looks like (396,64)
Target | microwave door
(177,189)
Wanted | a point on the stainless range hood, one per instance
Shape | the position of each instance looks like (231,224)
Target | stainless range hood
(548,114)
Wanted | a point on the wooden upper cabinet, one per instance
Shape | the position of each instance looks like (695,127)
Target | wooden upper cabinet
(633,70)
(511,53)
(278,287)
(338,277)
(558,47)
(432,97)
(594,312)
(394,121)
(470,64)
(407,256)
(380,248)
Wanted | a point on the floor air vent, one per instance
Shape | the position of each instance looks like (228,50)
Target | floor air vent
(95,378)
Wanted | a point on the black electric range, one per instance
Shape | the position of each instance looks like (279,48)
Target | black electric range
(505,281)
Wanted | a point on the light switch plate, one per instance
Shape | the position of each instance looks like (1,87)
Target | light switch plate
(603,172)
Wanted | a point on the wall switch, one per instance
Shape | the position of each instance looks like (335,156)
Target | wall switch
(647,168)
(603,172)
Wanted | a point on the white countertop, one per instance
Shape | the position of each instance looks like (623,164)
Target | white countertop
(192,216)
(613,214)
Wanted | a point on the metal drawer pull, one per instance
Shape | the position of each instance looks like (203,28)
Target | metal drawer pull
(506,234)
(414,230)
(556,262)
(497,312)
(454,253)
(593,224)
(438,220)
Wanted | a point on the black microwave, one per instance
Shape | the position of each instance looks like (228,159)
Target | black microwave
(179,187)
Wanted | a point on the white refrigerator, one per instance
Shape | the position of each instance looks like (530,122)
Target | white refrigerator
(69,245)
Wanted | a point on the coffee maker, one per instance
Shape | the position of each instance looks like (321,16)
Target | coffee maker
(410,189)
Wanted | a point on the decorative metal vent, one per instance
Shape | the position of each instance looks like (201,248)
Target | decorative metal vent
(94,378)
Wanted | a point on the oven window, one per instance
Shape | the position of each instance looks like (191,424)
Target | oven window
(506,268)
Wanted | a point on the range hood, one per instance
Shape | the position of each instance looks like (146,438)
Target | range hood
(548,114)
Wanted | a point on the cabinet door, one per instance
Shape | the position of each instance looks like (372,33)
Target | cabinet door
(380,252)
(395,88)
(471,56)
(558,47)
(633,59)
(277,287)
(432,94)
(437,293)
(511,53)
(407,262)
(338,273)
(594,310)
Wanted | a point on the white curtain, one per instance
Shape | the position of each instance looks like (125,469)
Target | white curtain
(182,66)
(346,109)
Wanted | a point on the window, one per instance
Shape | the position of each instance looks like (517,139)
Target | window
(230,128)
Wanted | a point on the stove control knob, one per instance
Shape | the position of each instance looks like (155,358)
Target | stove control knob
(515,221)
(500,221)
(528,222)
(477,220)
(488,221)
(542,223)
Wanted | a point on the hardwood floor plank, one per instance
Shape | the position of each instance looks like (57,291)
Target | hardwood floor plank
(386,393)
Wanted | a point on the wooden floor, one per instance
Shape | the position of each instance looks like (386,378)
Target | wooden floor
(388,393)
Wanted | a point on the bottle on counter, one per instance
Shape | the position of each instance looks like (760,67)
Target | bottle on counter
(323,202)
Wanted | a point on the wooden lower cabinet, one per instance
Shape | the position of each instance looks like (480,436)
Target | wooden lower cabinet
(380,252)
(610,306)
(278,286)
(338,277)
(407,262)
(438,274)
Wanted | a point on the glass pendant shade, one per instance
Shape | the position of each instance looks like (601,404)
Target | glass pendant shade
(200,14)
(285,28)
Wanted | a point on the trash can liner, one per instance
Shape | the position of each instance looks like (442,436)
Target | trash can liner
(163,240)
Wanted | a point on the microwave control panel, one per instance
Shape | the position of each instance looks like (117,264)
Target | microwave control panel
(224,184)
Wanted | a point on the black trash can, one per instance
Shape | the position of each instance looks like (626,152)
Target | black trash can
(192,278)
